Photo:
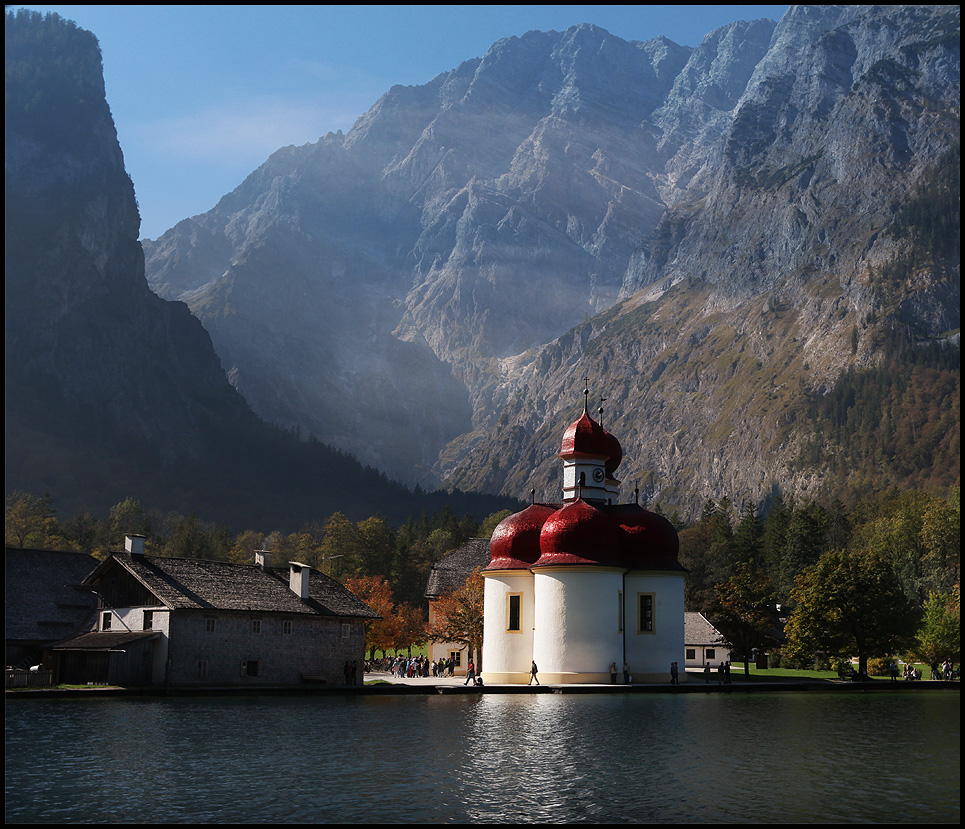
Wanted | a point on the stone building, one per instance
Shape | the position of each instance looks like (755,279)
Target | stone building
(184,622)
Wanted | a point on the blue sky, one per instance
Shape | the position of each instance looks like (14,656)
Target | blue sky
(202,95)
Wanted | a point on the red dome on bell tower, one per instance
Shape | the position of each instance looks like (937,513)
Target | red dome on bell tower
(585,438)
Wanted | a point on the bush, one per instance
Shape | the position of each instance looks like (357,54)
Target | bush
(880,666)
(841,665)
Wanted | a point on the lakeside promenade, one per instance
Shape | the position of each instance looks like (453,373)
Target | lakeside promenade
(386,684)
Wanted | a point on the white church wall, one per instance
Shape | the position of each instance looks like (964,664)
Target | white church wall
(577,632)
(508,626)
(651,652)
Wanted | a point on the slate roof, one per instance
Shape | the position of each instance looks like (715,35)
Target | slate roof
(42,602)
(196,584)
(103,640)
(451,572)
(698,631)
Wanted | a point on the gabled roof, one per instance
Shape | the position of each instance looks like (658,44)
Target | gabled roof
(450,573)
(104,640)
(196,584)
(698,631)
(42,602)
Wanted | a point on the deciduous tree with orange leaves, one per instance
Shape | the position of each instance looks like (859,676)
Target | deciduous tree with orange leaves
(459,617)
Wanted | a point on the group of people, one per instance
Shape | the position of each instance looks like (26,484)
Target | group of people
(627,679)
(416,666)
(945,671)
(723,672)
(351,672)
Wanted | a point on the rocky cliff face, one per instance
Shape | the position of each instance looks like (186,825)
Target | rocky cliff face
(87,344)
(697,230)
(110,391)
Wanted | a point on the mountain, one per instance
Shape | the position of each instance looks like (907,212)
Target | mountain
(110,391)
(711,235)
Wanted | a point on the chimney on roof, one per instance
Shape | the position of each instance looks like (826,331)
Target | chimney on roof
(134,544)
(263,559)
(298,579)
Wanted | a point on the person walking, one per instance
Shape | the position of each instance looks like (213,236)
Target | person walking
(470,674)
(532,674)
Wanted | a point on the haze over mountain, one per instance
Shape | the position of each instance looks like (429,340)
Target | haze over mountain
(110,391)
(701,231)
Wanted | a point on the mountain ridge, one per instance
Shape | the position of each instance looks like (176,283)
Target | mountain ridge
(511,207)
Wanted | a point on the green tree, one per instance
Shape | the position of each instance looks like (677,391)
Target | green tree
(125,518)
(743,611)
(378,545)
(747,536)
(805,541)
(243,550)
(941,534)
(490,522)
(850,603)
(940,634)
(190,539)
(29,520)
(341,551)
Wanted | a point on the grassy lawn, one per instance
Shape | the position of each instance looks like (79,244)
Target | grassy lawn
(785,674)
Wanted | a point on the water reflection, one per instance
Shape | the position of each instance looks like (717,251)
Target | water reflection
(487,759)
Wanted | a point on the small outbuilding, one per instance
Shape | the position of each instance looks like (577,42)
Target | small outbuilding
(703,643)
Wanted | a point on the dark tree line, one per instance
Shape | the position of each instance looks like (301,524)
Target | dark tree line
(879,565)
(337,545)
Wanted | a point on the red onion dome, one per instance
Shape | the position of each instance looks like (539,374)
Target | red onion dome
(515,541)
(579,533)
(615,454)
(650,541)
(585,438)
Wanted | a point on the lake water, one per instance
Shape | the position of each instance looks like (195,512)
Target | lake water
(654,758)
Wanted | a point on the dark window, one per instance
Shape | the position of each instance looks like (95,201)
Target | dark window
(691,653)
(148,620)
(514,609)
(249,667)
(106,621)
(646,613)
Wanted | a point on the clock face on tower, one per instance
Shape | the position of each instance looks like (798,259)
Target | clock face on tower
(598,475)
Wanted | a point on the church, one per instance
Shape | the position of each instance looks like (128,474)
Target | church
(580,586)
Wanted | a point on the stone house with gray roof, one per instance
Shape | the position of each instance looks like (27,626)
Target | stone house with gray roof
(189,622)
(449,574)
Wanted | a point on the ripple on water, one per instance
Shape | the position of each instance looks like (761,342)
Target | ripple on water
(486,759)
